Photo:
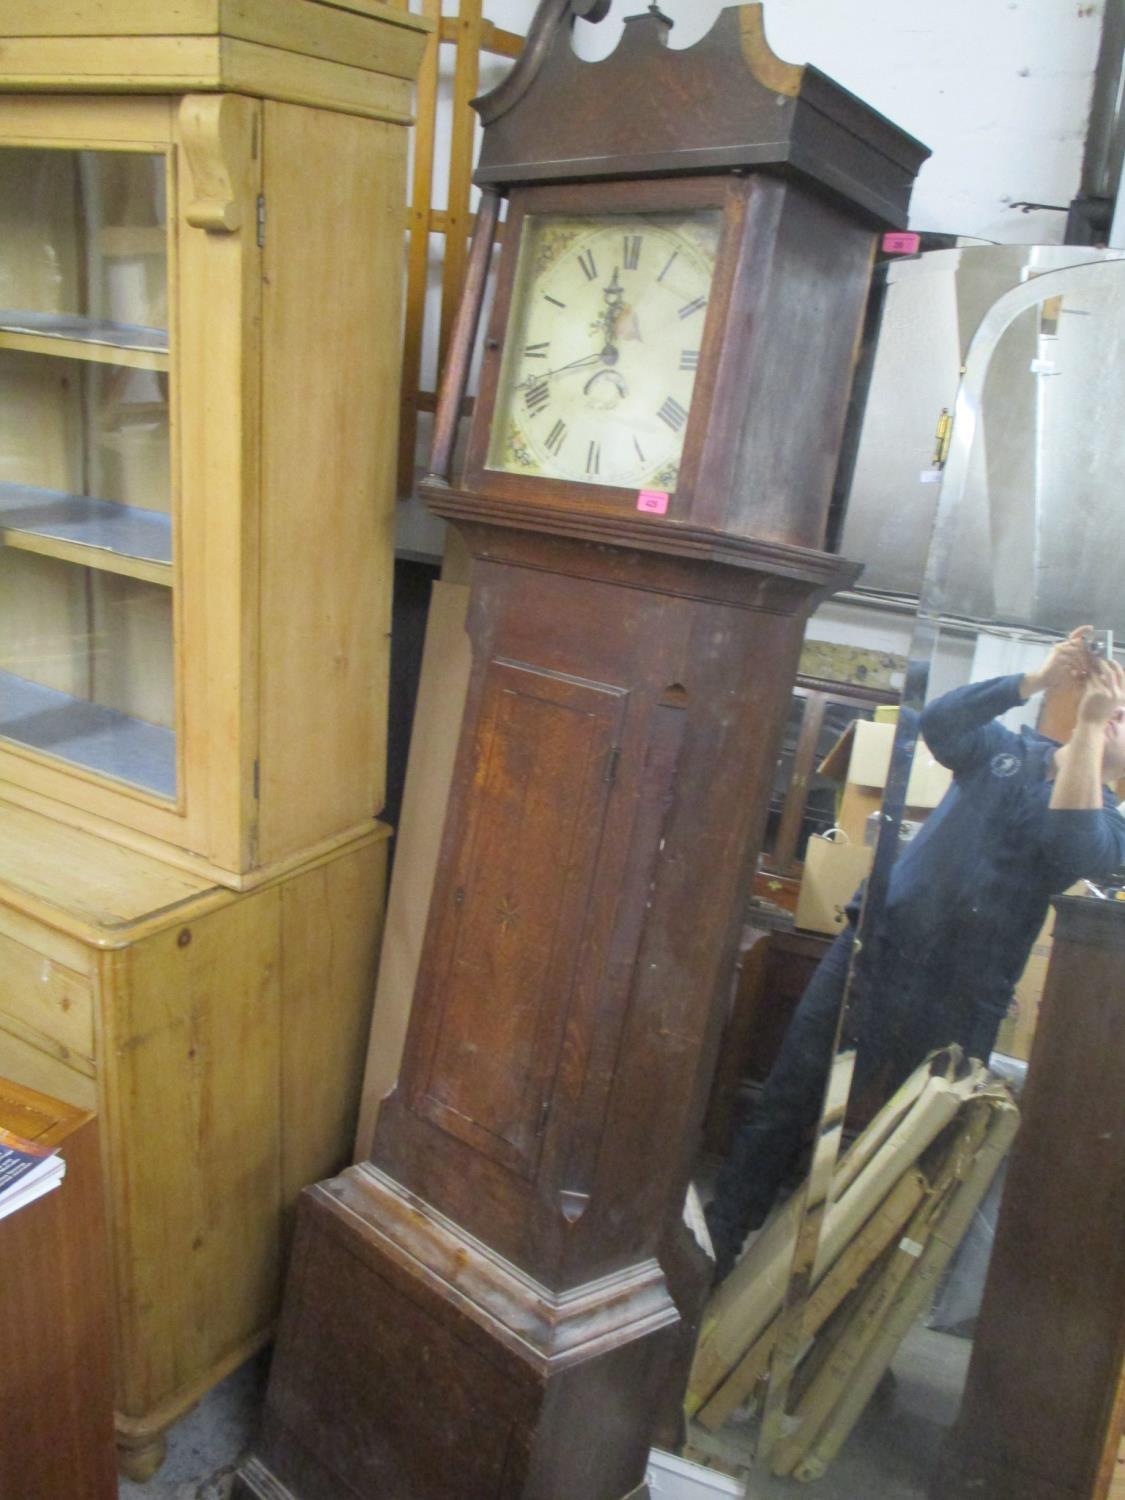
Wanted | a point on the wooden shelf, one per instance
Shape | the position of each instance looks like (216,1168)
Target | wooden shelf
(67,336)
(86,734)
(98,534)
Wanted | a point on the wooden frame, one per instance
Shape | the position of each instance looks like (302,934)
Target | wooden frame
(471,35)
(359,56)
(728,195)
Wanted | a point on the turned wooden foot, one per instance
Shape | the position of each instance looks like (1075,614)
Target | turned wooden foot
(139,1455)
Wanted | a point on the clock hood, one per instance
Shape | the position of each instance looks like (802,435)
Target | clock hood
(725,104)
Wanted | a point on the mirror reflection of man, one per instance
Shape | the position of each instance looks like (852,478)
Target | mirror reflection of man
(1024,818)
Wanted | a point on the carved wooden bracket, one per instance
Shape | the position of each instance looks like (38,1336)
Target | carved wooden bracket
(215,130)
(769,69)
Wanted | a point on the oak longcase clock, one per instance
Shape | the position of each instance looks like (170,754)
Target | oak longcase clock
(492,1304)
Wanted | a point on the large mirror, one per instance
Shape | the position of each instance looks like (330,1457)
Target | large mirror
(871,1174)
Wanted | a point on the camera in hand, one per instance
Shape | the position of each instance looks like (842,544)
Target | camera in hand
(1099,643)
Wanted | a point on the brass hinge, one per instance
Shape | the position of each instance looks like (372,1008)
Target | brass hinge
(941,438)
(261,220)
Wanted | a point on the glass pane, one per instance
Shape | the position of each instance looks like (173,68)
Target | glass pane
(85,234)
(86,668)
(86,495)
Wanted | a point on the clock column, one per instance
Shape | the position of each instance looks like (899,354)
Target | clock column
(479,1310)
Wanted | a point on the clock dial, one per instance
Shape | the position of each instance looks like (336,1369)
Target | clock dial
(602,348)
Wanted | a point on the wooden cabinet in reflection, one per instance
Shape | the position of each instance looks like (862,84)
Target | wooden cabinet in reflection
(1044,1403)
(803,802)
(775,966)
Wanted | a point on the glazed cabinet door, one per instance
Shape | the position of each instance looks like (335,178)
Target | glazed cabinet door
(87,579)
(124,293)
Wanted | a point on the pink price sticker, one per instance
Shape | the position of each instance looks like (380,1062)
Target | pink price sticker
(655,502)
(901,243)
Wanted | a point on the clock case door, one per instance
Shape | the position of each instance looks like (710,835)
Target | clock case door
(750,467)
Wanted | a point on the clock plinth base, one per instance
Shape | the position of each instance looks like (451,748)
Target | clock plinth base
(415,1364)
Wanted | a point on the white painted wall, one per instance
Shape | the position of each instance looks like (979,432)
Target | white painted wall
(998,89)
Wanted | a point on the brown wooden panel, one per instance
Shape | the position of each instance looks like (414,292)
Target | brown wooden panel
(542,769)
(345,1320)
(1049,1348)
(56,1418)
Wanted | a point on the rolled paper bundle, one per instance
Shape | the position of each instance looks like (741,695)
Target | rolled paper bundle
(944,1064)
(755,1290)
(880,1230)
(919,1286)
(855,1337)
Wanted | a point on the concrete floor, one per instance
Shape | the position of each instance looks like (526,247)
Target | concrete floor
(889,1455)
(205,1448)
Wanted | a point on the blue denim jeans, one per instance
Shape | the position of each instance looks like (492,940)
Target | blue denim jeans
(767,1146)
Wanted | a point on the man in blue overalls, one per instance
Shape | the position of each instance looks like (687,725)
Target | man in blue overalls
(1023,819)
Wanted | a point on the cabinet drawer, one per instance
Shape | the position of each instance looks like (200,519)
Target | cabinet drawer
(40,995)
(35,1069)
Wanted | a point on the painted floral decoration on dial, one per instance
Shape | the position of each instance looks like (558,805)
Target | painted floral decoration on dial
(603,345)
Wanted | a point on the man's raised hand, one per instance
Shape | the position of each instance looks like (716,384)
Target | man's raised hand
(1067,662)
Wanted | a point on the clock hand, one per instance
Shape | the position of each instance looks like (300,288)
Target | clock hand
(607,356)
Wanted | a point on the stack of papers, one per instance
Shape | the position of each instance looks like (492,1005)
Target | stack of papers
(27,1171)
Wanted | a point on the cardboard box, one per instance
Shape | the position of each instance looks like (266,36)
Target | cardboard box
(854,807)
(1017,1031)
(861,758)
(869,760)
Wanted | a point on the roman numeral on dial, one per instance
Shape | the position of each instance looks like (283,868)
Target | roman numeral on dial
(693,307)
(689,359)
(633,244)
(668,265)
(556,437)
(673,414)
(593,458)
(589,264)
(536,351)
(537,395)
